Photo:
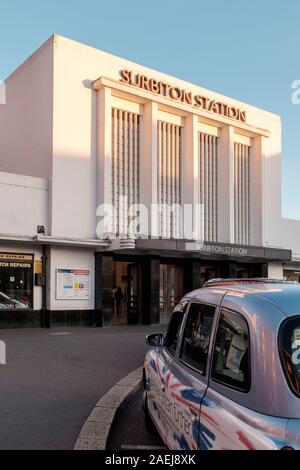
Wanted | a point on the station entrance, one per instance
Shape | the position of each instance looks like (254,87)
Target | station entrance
(144,289)
(125,294)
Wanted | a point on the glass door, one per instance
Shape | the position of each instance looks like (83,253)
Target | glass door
(171,290)
(208,273)
(132,300)
(125,294)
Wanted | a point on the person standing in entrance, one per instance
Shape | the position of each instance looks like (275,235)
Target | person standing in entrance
(118,300)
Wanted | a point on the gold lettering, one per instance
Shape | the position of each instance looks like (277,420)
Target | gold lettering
(167,89)
(178,94)
(187,97)
(135,80)
(198,101)
(225,110)
(162,88)
(154,86)
(213,107)
(125,74)
(220,107)
(175,93)
(242,116)
(232,112)
(145,83)
(204,102)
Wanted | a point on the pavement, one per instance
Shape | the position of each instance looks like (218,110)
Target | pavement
(128,431)
(96,430)
(54,378)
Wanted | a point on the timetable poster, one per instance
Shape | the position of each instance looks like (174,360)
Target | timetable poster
(73,284)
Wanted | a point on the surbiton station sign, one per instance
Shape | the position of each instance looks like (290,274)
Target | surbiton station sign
(178,94)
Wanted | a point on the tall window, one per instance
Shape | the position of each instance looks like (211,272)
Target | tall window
(208,178)
(125,167)
(290,352)
(169,179)
(242,194)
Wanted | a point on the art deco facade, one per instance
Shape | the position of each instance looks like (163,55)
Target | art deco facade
(83,129)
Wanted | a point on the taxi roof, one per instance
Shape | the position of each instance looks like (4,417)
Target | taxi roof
(285,295)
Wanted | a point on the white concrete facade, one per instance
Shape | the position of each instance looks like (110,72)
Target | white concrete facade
(57,132)
(24,205)
(73,123)
(62,257)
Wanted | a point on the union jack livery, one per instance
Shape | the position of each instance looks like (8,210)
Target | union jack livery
(226,375)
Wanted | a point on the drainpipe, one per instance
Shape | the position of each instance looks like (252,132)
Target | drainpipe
(45,323)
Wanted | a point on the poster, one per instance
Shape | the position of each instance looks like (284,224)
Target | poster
(238,348)
(73,284)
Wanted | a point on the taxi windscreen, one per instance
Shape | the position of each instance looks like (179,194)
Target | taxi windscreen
(290,352)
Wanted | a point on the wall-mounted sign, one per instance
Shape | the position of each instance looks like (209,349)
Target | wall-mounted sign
(16,260)
(73,284)
(38,267)
(237,251)
(218,249)
(178,94)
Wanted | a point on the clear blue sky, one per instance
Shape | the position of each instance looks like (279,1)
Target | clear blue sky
(247,49)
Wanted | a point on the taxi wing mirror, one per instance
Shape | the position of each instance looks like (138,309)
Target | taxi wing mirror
(155,340)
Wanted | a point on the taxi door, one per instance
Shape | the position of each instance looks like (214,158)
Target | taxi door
(186,381)
(231,425)
(160,363)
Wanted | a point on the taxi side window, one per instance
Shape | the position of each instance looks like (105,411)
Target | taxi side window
(231,358)
(289,346)
(172,335)
(196,338)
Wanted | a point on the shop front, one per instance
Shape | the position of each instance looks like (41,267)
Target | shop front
(17,290)
(16,281)
(292,274)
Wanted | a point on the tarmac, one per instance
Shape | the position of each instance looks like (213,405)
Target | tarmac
(54,379)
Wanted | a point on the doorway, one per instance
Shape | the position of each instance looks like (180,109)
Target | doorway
(248,270)
(209,272)
(291,276)
(171,290)
(125,294)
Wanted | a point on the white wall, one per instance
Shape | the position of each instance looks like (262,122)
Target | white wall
(275,271)
(271,185)
(32,250)
(51,110)
(26,118)
(291,236)
(70,258)
(23,204)
(75,139)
